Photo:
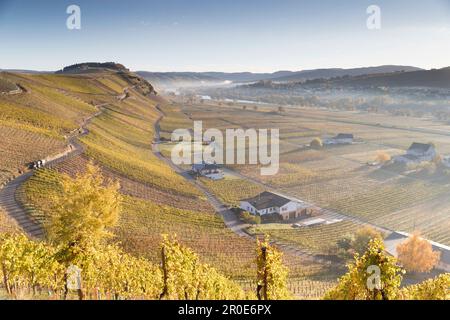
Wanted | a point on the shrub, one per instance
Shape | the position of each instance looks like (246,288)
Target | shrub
(249,218)
(417,255)
(316,143)
(383,157)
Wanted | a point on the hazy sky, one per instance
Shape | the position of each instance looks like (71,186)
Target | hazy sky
(219,35)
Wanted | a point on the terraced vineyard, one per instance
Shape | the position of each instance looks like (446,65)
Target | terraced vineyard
(315,239)
(312,285)
(16,150)
(174,119)
(387,199)
(231,190)
(117,134)
(6,86)
(143,222)
(35,123)
(137,189)
(7,225)
(74,83)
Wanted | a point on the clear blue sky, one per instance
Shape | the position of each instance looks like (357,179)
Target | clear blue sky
(206,35)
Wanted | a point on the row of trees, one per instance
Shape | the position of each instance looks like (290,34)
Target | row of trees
(109,273)
(106,272)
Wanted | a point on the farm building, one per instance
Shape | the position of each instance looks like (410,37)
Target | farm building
(268,203)
(208,170)
(396,238)
(418,152)
(446,161)
(341,138)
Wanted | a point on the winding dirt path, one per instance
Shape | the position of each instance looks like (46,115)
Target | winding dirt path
(8,194)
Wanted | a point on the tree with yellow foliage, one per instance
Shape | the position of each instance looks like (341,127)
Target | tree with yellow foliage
(271,273)
(84,211)
(383,157)
(81,217)
(316,143)
(350,244)
(363,236)
(431,289)
(416,254)
(372,276)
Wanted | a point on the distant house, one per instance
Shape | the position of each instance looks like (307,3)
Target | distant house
(341,138)
(446,161)
(208,170)
(417,152)
(268,203)
(396,238)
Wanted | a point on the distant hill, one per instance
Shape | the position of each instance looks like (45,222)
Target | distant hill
(435,78)
(199,78)
(335,72)
(178,79)
(25,71)
(247,76)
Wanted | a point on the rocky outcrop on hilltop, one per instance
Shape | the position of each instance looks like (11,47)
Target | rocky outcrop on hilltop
(88,67)
(135,81)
